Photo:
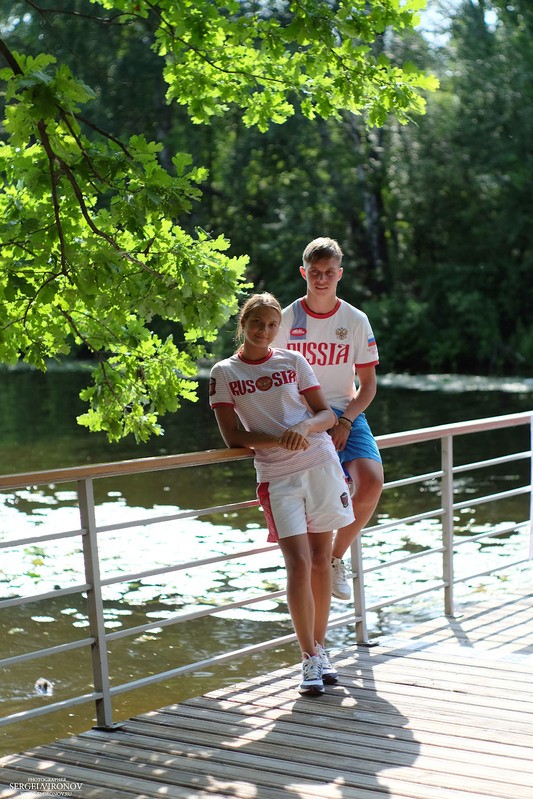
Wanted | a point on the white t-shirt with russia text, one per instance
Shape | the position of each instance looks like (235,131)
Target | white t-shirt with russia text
(267,397)
(334,344)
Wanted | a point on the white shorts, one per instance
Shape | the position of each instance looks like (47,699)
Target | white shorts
(314,501)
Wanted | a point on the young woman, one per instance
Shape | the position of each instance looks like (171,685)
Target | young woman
(258,398)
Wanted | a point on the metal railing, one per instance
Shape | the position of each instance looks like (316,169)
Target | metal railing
(99,639)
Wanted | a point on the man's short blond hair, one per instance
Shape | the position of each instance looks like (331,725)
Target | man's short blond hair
(321,248)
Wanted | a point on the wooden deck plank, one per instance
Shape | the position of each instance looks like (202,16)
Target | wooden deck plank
(11,776)
(377,714)
(103,783)
(376,696)
(508,627)
(453,745)
(276,742)
(441,711)
(443,747)
(217,768)
(431,675)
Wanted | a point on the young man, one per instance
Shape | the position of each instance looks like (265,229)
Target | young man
(337,341)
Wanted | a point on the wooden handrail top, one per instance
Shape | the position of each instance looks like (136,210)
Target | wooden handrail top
(205,457)
(454,429)
(114,468)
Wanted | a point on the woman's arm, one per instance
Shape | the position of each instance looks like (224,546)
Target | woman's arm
(234,435)
(293,438)
(323,417)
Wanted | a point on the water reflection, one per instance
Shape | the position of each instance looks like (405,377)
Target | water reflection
(38,431)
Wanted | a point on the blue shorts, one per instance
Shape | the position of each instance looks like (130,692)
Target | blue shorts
(361,443)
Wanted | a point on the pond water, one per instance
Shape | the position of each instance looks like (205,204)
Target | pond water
(38,431)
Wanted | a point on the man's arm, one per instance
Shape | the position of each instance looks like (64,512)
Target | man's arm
(364,395)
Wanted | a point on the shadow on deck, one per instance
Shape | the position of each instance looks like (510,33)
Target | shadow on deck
(442,712)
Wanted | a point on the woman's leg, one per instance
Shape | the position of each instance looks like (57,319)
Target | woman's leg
(320,549)
(297,555)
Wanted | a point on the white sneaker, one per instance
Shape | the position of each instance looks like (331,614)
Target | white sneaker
(312,683)
(340,587)
(329,675)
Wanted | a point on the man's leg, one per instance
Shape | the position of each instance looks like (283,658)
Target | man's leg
(367,476)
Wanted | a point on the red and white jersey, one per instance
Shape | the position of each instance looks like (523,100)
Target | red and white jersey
(267,397)
(334,344)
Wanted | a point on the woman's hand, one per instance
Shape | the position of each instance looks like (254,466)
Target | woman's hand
(295,437)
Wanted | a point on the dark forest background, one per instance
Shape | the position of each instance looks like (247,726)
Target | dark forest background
(435,217)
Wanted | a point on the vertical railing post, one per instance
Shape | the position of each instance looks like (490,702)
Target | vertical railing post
(95,604)
(531,489)
(356,550)
(447,522)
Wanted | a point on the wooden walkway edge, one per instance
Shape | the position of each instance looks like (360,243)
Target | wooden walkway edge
(444,712)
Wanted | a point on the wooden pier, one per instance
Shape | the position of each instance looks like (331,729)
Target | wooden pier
(444,712)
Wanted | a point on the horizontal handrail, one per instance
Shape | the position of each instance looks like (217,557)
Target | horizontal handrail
(416,517)
(196,614)
(172,517)
(490,534)
(51,650)
(511,492)
(417,478)
(217,659)
(200,664)
(20,542)
(26,600)
(455,429)
(495,569)
(468,467)
(406,559)
(124,578)
(72,701)
(212,456)
(117,468)
(411,595)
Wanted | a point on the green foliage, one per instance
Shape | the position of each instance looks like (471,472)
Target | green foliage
(143,380)
(98,244)
(462,239)
(90,254)
(312,54)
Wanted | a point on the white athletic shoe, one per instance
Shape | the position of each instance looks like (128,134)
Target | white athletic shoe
(312,683)
(329,675)
(340,587)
